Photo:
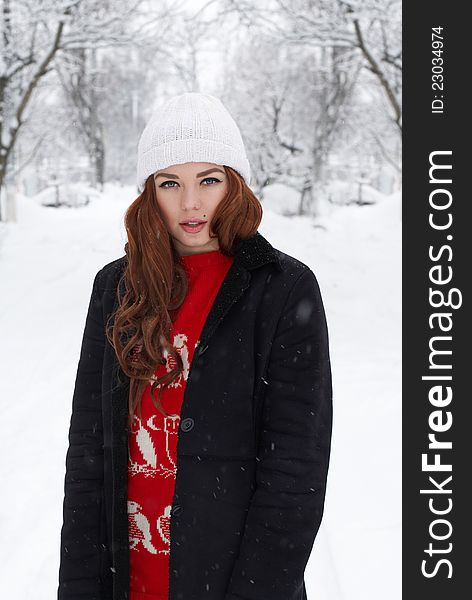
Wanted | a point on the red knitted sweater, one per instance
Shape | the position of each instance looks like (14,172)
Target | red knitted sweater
(153,440)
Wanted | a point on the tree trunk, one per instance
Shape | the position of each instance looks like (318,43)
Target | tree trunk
(306,196)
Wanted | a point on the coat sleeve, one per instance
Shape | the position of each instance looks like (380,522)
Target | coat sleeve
(292,462)
(80,549)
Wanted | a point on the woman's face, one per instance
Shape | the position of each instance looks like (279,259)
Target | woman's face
(190,192)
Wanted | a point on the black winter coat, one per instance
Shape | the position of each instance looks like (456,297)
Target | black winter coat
(253,445)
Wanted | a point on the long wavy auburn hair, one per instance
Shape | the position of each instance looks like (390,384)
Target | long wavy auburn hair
(154,285)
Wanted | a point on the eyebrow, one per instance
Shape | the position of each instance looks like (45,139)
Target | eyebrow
(172,176)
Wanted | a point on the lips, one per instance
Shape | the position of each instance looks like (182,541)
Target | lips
(199,225)
(192,221)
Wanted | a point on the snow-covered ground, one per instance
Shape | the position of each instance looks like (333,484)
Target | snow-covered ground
(47,263)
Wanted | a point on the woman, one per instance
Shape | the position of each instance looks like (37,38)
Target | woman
(201,420)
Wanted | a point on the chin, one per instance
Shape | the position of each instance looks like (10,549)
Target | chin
(194,242)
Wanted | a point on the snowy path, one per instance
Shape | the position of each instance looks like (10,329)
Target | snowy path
(47,263)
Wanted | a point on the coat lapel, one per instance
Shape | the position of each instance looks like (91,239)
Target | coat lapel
(250,254)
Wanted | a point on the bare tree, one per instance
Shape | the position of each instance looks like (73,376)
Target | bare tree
(291,101)
(369,27)
(80,81)
(182,42)
(25,62)
(335,85)
(32,35)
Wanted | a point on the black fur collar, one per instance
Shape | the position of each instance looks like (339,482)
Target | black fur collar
(255,252)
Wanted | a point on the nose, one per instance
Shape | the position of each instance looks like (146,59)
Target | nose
(189,199)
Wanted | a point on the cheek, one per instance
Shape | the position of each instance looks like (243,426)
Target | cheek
(219,195)
(166,207)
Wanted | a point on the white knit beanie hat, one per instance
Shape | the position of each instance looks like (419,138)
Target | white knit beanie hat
(192,127)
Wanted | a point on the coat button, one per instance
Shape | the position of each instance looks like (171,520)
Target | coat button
(177,510)
(187,424)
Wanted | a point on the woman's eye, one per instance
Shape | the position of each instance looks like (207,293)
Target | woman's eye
(211,178)
(163,185)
